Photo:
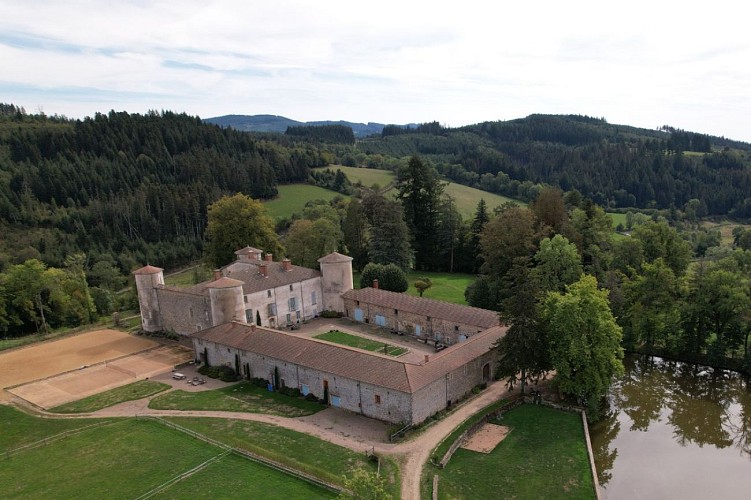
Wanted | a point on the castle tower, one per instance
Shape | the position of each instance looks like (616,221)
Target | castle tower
(148,279)
(227,301)
(336,278)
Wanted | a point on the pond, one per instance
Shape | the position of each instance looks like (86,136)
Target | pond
(675,430)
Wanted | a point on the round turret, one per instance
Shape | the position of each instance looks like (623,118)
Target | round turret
(336,278)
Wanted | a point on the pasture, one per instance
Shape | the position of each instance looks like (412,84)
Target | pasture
(90,461)
(293,197)
(130,392)
(365,176)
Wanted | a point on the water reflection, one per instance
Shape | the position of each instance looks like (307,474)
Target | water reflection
(674,429)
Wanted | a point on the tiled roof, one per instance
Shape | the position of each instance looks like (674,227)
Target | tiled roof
(334,258)
(276,276)
(224,282)
(435,309)
(348,362)
(148,270)
(453,357)
(337,360)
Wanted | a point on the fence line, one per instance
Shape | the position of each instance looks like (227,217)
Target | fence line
(184,475)
(252,456)
(51,439)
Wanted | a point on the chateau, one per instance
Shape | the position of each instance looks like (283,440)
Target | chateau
(235,319)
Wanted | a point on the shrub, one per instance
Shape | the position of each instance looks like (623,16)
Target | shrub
(222,372)
(330,314)
(311,397)
(390,277)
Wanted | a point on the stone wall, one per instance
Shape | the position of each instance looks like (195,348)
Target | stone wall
(183,312)
(433,329)
(308,302)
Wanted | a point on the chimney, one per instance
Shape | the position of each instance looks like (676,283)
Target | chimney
(427,358)
(262,269)
(217,274)
(269,257)
(287,264)
(375,283)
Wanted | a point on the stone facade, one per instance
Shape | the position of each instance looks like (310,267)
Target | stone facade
(251,289)
(371,384)
(426,319)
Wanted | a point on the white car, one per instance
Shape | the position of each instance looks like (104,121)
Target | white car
(178,376)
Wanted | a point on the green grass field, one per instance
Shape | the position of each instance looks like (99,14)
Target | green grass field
(448,287)
(130,392)
(292,199)
(294,449)
(365,176)
(242,397)
(467,198)
(233,476)
(544,456)
(126,458)
(347,339)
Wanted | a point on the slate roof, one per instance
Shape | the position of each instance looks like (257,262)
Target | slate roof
(348,362)
(435,309)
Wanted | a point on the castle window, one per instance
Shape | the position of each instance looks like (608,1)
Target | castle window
(290,288)
(246,299)
(268,293)
(249,315)
(191,312)
(456,328)
(313,298)
(272,309)
(293,303)
(377,399)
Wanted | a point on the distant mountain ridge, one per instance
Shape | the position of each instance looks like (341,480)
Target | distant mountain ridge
(274,123)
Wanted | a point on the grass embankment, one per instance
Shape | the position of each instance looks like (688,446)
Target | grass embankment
(91,463)
(448,287)
(544,456)
(350,340)
(368,177)
(243,397)
(130,392)
(293,197)
(294,449)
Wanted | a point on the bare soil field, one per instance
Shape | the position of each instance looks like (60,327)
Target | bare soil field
(84,382)
(486,438)
(40,361)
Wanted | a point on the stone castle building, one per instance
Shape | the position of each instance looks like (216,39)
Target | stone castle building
(234,319)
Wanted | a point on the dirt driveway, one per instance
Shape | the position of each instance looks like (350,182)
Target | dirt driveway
(40,361)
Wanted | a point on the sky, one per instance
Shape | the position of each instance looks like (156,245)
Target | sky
(640,63)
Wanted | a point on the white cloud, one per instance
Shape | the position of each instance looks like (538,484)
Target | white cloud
(640,63)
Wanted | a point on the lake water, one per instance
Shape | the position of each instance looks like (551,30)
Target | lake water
(675,430)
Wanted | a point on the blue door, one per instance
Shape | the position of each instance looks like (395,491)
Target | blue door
(358,314)
(462,338)
(380,320)
(305,390)
(335,401)
(418,330)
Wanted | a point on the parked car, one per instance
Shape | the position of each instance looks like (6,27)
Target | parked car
(178,376)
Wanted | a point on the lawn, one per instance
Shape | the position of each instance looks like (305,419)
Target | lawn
(448,287)
(189,277)
(21,429)
(233,476)
(243,397)
(544,456)
(294,449)
(127,458)
(350,340)
(130,392)
(365,176)
(293,197)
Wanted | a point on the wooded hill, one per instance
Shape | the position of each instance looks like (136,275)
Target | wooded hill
(616,166)
(126,185)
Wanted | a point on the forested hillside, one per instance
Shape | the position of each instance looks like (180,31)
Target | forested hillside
(126,185)
(616,166)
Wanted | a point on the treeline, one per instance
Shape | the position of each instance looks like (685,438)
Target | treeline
(336,134)
(616,166)
(134,187)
